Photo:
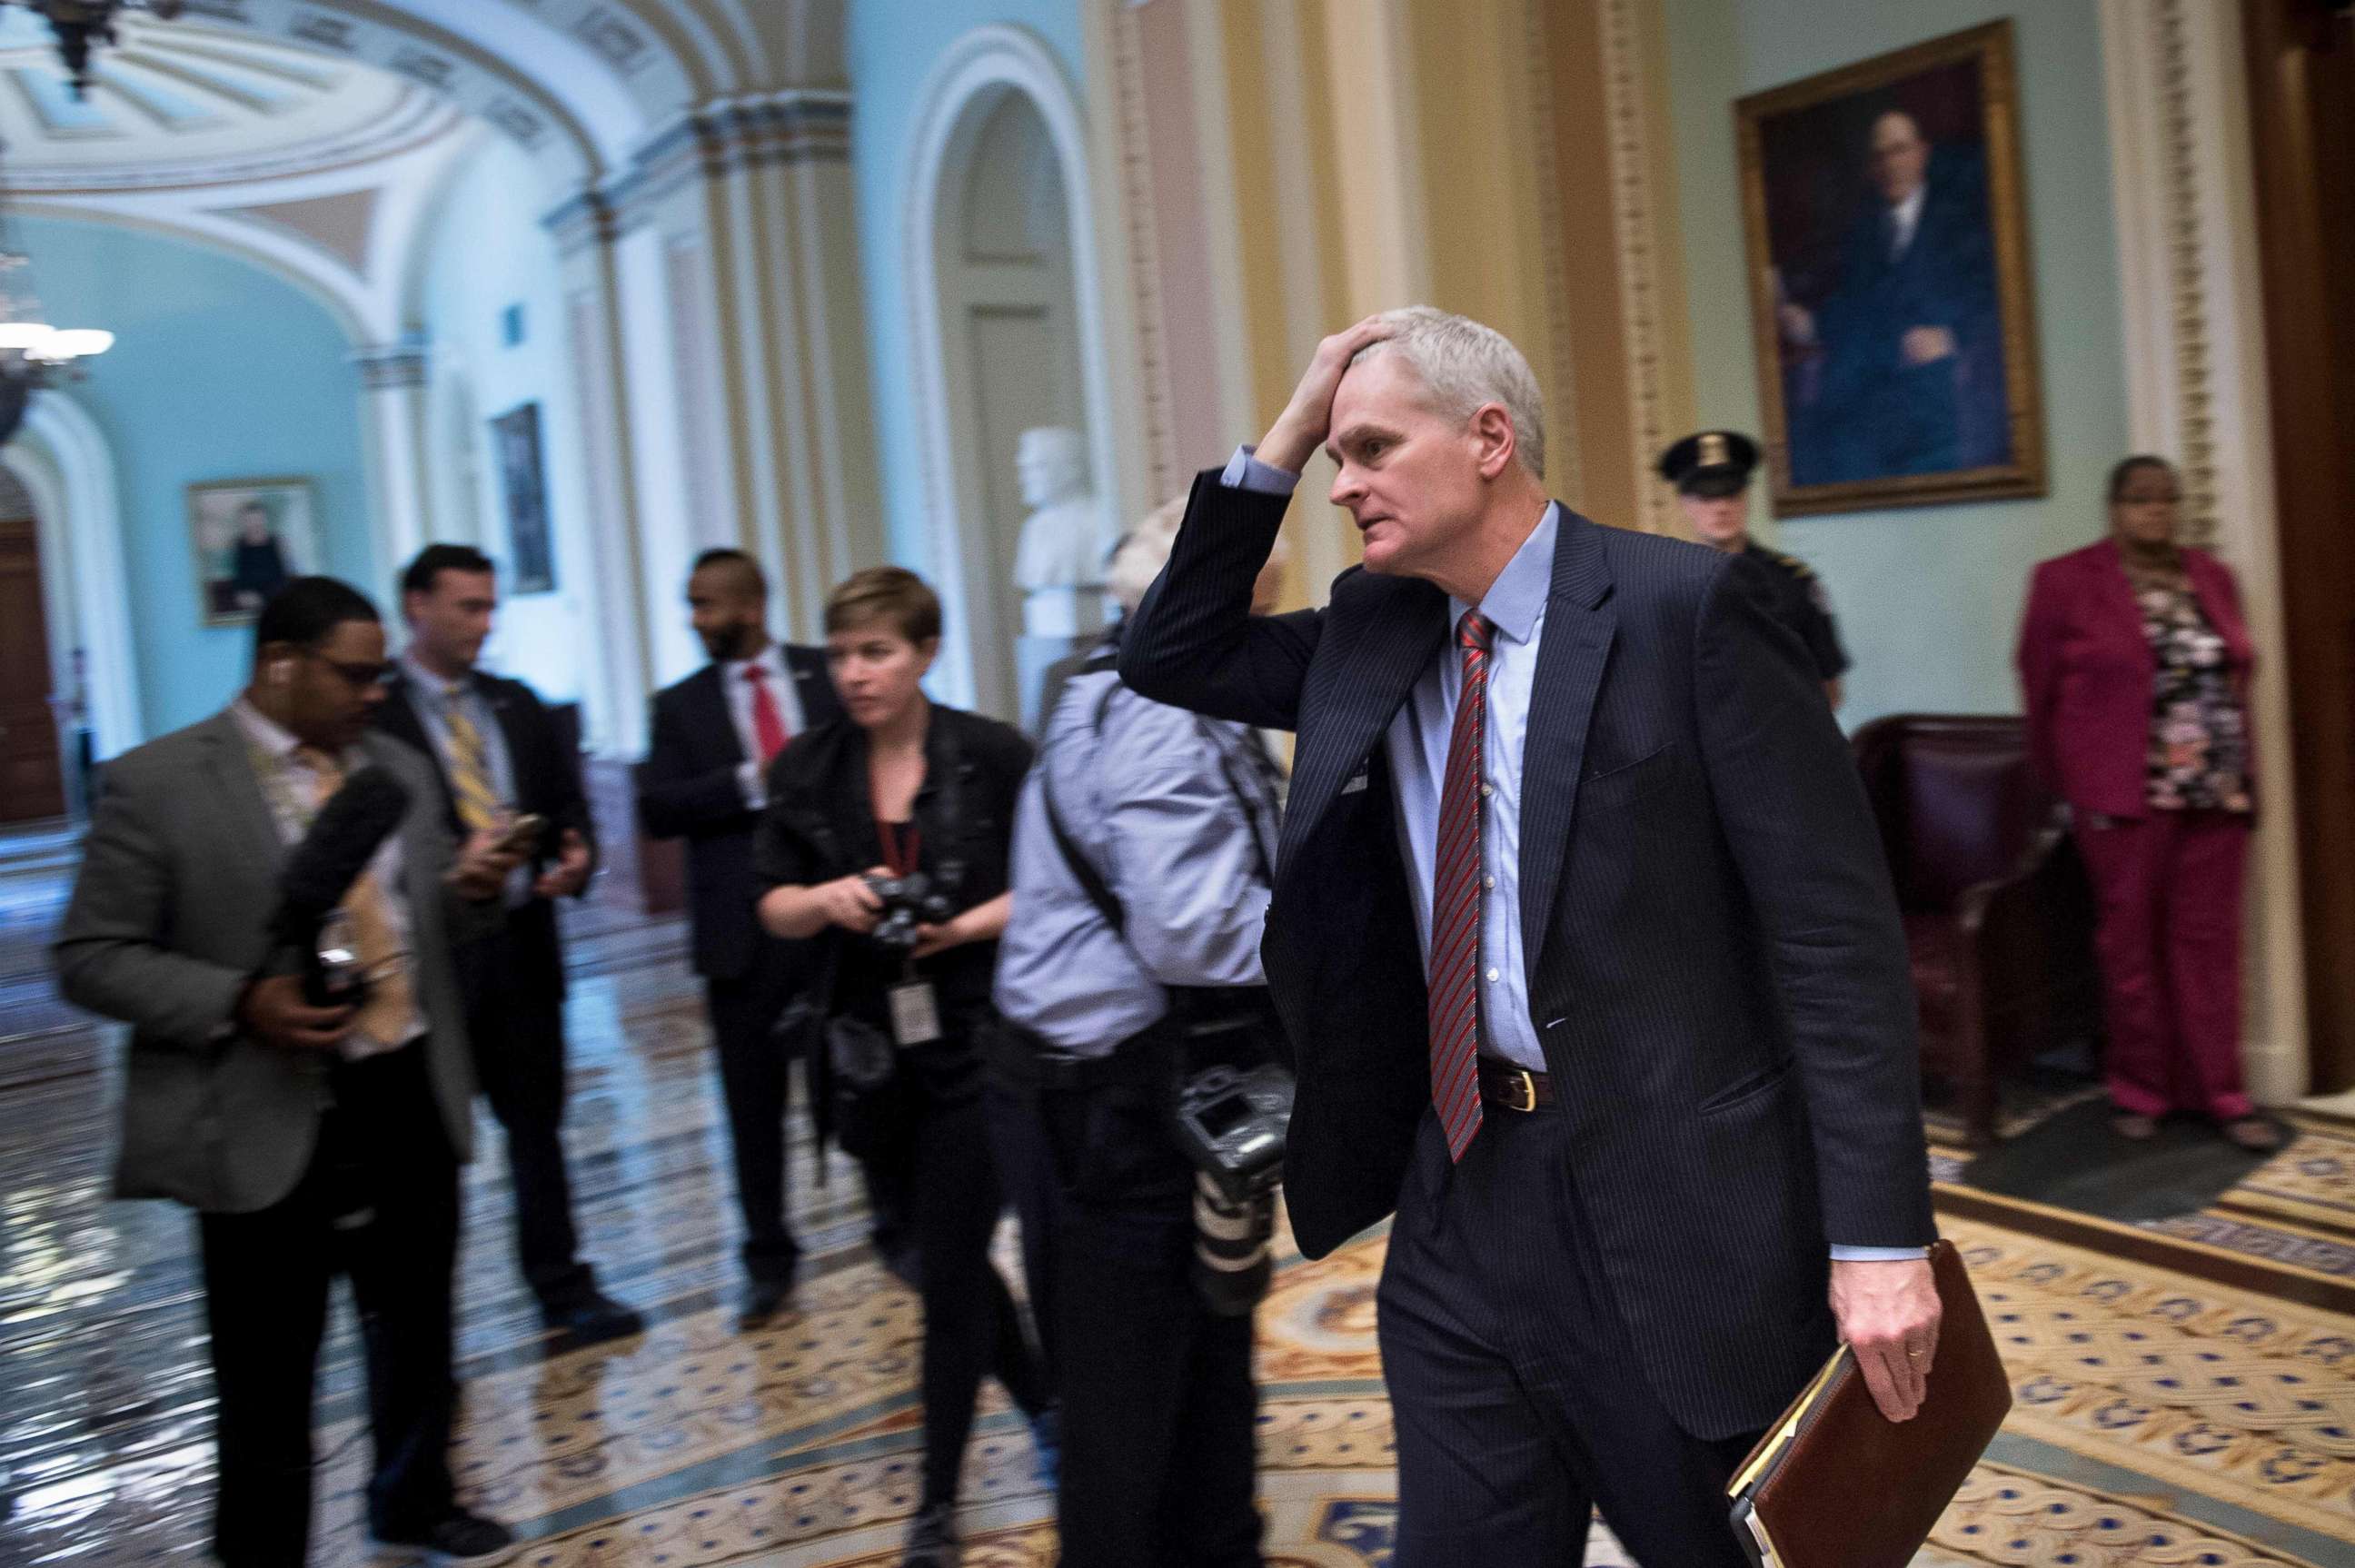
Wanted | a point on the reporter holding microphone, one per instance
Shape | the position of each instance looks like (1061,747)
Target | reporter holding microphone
(308,1140)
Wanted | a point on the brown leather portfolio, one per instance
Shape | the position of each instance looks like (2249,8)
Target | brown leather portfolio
(1835,1484)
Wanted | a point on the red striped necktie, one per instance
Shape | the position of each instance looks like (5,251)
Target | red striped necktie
(1455,901)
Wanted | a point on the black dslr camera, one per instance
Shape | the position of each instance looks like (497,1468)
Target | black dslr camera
(1232,1125)
(908,902)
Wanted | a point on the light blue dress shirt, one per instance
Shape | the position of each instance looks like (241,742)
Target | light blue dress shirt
(1416,746)
(1178,817)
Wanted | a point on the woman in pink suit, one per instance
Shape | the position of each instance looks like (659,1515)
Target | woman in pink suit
(2135,663)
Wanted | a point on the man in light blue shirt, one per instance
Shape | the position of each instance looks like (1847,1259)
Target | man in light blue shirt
(1144,850)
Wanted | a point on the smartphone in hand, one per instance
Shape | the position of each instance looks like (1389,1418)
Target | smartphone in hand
(523,835)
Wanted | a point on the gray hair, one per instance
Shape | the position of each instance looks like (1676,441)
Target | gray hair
(1143,551)
(1463,365)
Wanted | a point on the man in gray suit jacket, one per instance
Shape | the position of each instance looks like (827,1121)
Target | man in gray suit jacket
(309,1140)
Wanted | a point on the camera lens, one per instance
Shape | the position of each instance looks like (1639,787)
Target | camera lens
(1232,1248)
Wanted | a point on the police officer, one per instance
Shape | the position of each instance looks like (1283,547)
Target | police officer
(1711,473)
(1144,847)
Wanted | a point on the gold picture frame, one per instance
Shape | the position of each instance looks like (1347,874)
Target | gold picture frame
(248,537)
(1894,322)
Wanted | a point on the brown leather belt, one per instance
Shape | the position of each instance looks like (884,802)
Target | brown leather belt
(1506,1087)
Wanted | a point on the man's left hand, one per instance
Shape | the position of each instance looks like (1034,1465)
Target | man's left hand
(571,872)
(1887,1314)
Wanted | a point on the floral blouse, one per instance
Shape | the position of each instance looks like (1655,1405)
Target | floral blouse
(2199,732)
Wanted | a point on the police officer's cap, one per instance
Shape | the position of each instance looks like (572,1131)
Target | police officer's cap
(1710,464)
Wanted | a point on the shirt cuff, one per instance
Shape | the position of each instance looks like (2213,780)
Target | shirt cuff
(1842,1254)
(1244,472)
(748,784)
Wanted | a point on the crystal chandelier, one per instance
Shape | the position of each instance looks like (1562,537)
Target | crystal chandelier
(33,353)
(80,24)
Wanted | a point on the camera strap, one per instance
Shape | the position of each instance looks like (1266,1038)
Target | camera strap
(1091,881)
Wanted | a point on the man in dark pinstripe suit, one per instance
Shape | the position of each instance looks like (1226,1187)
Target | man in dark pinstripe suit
(1585,951)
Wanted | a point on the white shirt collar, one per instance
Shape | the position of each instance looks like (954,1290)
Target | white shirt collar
(771,658)
(1909,214)
(264,731)
(435,686)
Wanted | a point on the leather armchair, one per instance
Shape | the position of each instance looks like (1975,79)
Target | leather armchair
(1999,914)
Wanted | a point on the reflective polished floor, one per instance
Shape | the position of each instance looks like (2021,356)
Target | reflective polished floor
(2185,1395)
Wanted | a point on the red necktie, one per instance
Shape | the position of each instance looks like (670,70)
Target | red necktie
(768,724)
(1456,902)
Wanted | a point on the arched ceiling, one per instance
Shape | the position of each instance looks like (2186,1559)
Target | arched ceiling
(311,135)
(176,104)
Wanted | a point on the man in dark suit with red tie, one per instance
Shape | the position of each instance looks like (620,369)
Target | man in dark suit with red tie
(1586,956)
(713,736)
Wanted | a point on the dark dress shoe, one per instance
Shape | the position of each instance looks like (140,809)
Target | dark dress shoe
(460,1541)
(764,1299)
(592,1319)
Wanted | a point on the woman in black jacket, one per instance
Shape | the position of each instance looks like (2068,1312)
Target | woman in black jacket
(901,791)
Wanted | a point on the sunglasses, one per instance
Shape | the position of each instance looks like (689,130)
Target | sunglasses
(359,676)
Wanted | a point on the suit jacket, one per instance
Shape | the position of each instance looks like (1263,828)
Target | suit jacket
(169,916)
(547,770)
(2090,677)
(688,788)
(1718,975)
(1875,415)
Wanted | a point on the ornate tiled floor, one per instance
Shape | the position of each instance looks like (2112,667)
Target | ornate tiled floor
(2162,1418)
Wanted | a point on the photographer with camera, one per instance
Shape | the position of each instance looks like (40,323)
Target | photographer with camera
(1144,850)
(886,832)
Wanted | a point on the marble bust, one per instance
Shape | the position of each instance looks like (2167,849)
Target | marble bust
(1059,548)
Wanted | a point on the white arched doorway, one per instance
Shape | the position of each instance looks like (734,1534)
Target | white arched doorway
(1002,282)
(62,458)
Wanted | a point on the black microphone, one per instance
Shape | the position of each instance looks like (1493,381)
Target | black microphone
(344,837)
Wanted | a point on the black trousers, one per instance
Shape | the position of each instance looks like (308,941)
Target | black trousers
(971,1324)
(1026,1174)
(1513,1381)
(381,1153)
(515,1022)
(755,1083)
(1159,1410)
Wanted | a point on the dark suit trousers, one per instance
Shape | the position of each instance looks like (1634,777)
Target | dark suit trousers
(382,1151)
(755,1081)
(515,1021)
(1518,1400)
(1160,1414)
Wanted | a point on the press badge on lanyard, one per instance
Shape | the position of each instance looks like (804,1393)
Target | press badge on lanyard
(916,1014)
(915,1007)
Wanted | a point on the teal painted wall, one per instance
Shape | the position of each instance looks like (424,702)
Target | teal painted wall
(893,47)
(219,371)
(489,253)
(1928,597)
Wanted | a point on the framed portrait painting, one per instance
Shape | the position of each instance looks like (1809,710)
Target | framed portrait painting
(250,536)
(523,492)
(1889,280)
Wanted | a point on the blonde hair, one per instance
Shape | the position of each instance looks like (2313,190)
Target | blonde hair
(1463,365)
(1143,551)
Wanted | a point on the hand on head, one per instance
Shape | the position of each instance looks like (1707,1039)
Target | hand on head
(1308,419)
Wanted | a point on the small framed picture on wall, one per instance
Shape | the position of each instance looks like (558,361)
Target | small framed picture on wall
(1890,287)
(523,491)
(250,536)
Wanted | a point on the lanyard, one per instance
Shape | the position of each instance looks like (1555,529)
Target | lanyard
(901,865)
